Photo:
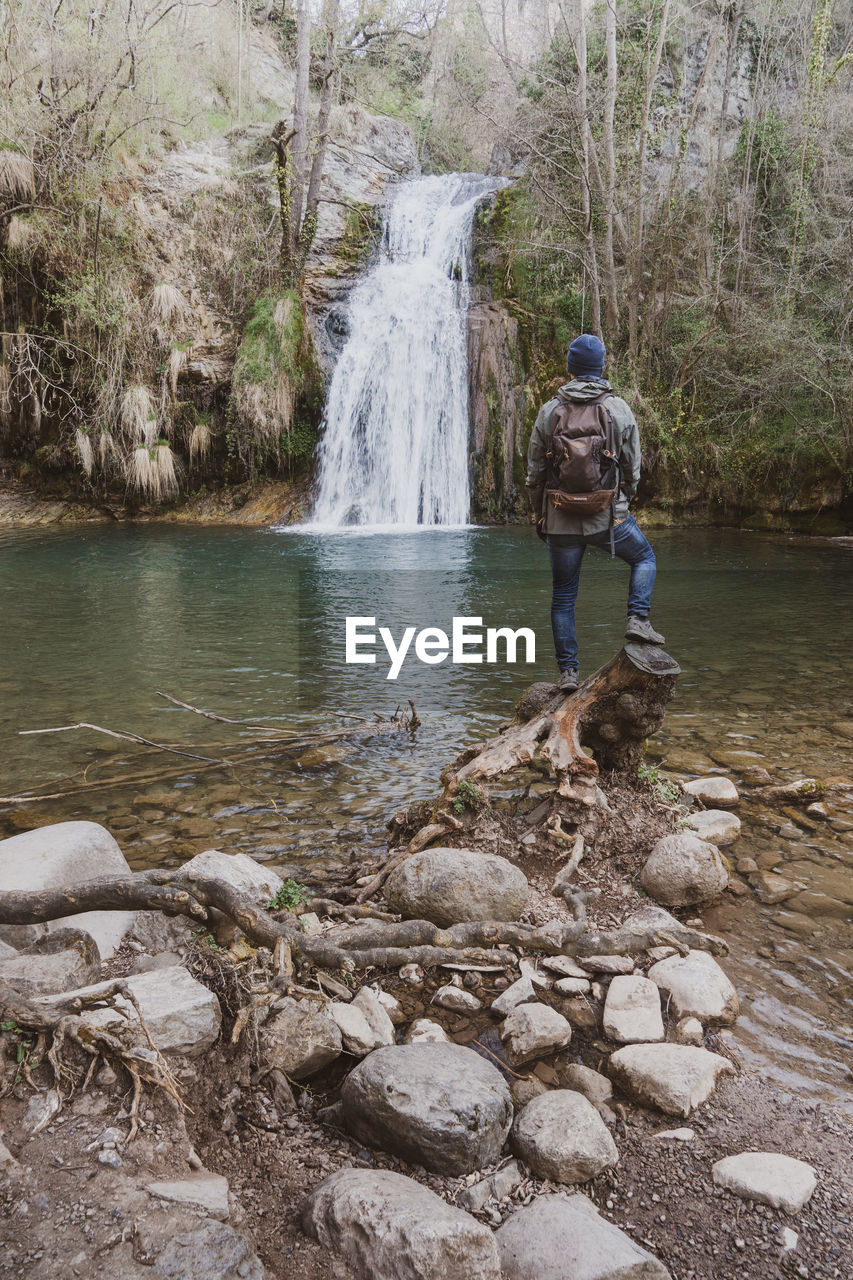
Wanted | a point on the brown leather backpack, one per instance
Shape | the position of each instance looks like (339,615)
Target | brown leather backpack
(582,467)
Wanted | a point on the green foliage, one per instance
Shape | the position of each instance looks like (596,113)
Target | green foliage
(290,897)
(468,797)
(663,790)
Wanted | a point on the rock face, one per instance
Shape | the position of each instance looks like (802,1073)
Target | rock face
(716,791)
(301,1039)
(677,1078)
(769,1178)
(715,825)
(449,886)
(683,870)
(561,1136)
(438,1105)
(214,1251)
(564,1238)
(532,1030)
(181,1015)
(697,988)
(240,871)
(632,1010)
(58,857)
(386,1225)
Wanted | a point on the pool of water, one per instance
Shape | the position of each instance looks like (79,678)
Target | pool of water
(250,625)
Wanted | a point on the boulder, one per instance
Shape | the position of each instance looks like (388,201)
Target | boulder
(561,1237)
(697,988)
(207,1190)
(676,1078)
(565,966)
(714,790)
(457,999)
(356,1033)
(715,825)
(181,1015)
(682,871)
(449,886)
(239,870)
(61,961)
(561,1136)
(770,1178)
(376,1015)
(438,1105)
(607,964)
(386,1225)
(571,987)
(301,1039)
(533,1030)
(58,857)
(213,1251)
(425,1031)
(519,992)
(632,1010)
(592,1084)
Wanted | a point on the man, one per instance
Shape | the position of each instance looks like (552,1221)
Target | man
(569,534)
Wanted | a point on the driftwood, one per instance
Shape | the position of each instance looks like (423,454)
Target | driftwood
(612,713)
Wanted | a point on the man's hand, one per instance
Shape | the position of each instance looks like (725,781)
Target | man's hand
(540,529)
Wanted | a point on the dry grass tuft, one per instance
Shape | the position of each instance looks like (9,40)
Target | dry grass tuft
(168,305)
(167,467)
(107,449)
(85,452)
(177,364)
(153,472)
(200,443)
(138,416)
(20,234)
(17,175)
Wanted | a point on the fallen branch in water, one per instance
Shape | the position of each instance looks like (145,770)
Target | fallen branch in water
(124,735)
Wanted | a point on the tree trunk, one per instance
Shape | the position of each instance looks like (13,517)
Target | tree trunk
(612,307)
(590,256)
(300,117)
(612,713)
(331,11)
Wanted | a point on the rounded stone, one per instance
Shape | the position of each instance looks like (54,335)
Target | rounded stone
(717,826)
(451,886)
(438,1105)
(683,870)
(561,1136)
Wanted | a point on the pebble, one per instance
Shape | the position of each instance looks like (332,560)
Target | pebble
(412,975)
(458,1001)
(608,964)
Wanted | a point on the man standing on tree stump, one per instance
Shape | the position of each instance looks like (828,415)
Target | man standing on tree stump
(583,469)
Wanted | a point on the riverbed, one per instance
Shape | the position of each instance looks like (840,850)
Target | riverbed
(251,625)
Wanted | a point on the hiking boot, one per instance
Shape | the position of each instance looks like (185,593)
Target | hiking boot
(641,629)
(568,681)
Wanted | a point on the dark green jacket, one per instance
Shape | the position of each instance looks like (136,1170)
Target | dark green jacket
(627,438)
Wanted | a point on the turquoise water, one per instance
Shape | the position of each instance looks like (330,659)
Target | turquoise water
(250,625)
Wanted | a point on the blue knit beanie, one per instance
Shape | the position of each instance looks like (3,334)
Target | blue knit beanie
(586,357)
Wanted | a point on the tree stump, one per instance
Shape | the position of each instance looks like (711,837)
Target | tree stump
(611,714)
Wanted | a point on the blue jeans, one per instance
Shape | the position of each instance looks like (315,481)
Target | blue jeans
(566,551)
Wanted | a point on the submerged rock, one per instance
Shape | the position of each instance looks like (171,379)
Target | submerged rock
(450,886)
(683,870)
(676,1078)
(715,825)
(386,1225)
(438,1105)
(715,791)
(561,1136)
(564,1238)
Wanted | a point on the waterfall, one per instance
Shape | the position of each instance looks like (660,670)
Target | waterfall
(394,449)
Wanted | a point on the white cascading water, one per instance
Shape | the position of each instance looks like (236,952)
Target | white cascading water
(394,449)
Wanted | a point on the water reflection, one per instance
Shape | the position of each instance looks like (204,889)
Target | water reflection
(250,624)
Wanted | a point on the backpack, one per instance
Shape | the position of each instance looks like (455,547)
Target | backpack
(582,468)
